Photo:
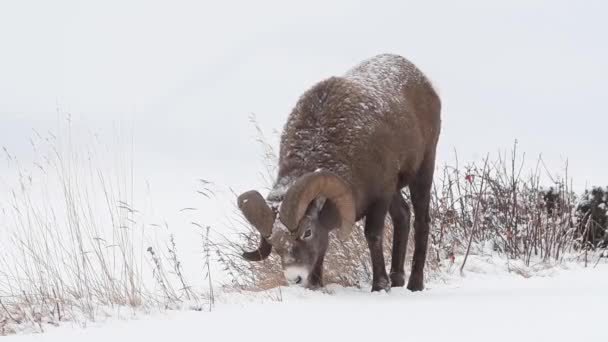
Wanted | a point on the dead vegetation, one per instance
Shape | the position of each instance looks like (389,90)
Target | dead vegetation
(77,250)
(74,247)
(496,206)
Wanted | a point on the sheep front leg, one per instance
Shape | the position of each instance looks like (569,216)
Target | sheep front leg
(374,234)
(316,278)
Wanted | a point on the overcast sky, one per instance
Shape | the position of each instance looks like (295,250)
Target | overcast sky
(186,75)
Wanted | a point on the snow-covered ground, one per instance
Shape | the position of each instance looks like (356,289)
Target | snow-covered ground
(169,104)
(486,304)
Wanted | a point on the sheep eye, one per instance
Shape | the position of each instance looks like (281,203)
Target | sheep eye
(307,234)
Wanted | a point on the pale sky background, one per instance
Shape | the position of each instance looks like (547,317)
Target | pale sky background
(186,75)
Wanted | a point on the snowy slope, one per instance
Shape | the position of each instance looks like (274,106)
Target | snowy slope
(555,305)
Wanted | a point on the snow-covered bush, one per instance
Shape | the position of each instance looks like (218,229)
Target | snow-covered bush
(496,206)
(592,214)
(474,209)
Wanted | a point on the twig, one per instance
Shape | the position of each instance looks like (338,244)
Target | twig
(476,214)
(8,313)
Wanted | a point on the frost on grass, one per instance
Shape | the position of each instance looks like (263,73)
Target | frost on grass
(101,265)
(77,247)
(525,223)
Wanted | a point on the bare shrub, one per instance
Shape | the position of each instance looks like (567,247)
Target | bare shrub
(76,245)
(518,218)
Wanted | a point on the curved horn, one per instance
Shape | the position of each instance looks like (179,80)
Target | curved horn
(258,213)
(309,187)
(261,253)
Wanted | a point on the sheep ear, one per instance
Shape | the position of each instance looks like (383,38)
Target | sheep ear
(329,215)
(309,187)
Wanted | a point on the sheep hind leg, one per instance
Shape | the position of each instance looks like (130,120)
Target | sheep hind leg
(400,215)
(374,234)
(420,192)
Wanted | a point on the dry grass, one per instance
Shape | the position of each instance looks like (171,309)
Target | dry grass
(497,206)
(74,245)
(78,248)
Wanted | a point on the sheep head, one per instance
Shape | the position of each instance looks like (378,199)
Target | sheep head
(315,204)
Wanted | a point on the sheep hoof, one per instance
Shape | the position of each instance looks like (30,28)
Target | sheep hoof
(381,284)
(397,279)
(415,284)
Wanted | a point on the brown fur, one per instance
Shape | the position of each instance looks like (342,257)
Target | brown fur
(376,128)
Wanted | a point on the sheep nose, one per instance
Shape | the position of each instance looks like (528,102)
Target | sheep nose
(296,275)
(295,280)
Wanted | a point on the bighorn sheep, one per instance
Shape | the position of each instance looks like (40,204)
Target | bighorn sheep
(349,147)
